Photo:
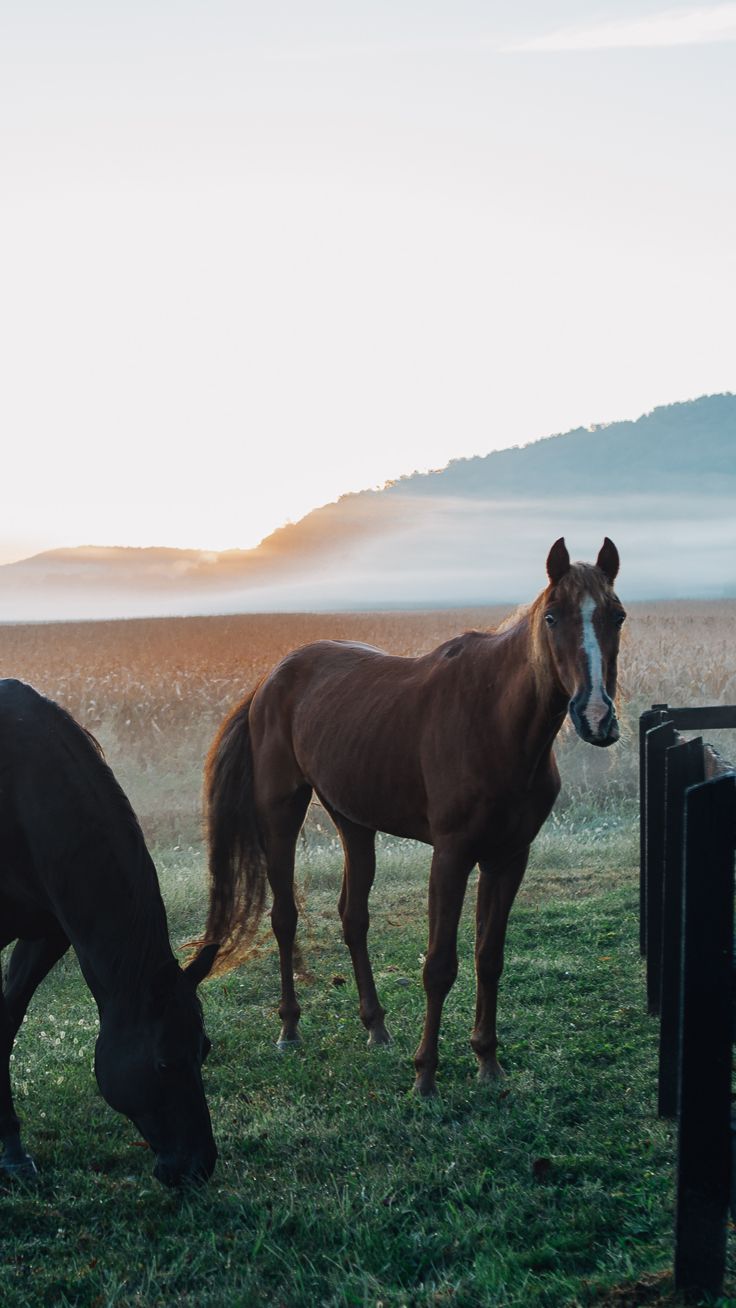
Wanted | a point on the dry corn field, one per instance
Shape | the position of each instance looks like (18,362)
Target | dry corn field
(154,690)
(333,1185)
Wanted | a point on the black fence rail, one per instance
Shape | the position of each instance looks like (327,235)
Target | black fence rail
(688,837)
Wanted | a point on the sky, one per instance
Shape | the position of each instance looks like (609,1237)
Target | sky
(255,256)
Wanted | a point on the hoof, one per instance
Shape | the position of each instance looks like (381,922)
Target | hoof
(490,1072)
(378,1037)
(20,1169)
(284,1046)
(424,1087)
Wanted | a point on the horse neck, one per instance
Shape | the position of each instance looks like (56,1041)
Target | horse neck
(121,934)
(534,702)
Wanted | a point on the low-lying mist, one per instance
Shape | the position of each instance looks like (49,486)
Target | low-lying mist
(443,551)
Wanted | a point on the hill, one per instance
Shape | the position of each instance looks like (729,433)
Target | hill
(666,448)
(477,531)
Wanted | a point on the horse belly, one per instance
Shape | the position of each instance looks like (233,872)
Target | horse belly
(330,716)
(21,920)
(20,887)
(381,797)
(381,800)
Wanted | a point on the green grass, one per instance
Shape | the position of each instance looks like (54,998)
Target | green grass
(335,1186)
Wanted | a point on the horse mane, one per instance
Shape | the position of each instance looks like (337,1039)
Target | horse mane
(113,810)
(94,742)
(93,753)
(580,579)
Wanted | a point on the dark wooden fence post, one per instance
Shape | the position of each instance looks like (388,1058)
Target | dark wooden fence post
(704,1141)
(658,740)
(647,720)
(683,767)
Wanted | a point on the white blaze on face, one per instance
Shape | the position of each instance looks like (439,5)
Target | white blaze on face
(597,705)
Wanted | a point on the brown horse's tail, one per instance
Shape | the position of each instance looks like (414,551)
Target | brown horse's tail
(237,862)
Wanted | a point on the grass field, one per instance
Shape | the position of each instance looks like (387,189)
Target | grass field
(334,1186)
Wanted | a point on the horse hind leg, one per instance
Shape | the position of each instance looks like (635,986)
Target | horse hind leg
(451,867)
(283,823)
(360,870)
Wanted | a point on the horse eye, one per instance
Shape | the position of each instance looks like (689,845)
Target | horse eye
(550,619)
(619,619)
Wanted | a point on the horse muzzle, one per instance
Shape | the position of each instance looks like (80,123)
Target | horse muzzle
(180,1172)
(602,730)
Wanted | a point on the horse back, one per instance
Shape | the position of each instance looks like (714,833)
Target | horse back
(405,745)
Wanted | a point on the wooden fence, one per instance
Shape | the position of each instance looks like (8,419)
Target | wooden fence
(688,836)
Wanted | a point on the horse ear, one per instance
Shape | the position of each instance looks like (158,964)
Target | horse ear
(558,561)
(201,964)
(607,560)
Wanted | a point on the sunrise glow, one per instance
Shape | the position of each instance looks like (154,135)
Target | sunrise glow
(302,259)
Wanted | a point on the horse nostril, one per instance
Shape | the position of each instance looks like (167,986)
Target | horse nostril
(165,1175)
(193,1173)
(578,719)
(608,731)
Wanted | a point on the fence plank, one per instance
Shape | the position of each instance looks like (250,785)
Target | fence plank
(705,1040)
(715,764)
(714,717)
(683,768)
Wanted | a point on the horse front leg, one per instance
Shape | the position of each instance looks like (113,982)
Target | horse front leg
(497,889)
(451,867)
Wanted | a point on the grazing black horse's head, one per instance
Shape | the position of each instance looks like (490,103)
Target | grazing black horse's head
(148,1063)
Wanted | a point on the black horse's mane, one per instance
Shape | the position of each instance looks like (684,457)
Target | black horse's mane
(96,754)
(111,812)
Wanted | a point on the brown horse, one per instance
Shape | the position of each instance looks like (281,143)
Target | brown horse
(453,748)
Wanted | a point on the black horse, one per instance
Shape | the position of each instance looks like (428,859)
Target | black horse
(75,870)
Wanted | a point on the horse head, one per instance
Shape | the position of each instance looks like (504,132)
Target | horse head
(148,1063)
(582,618)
